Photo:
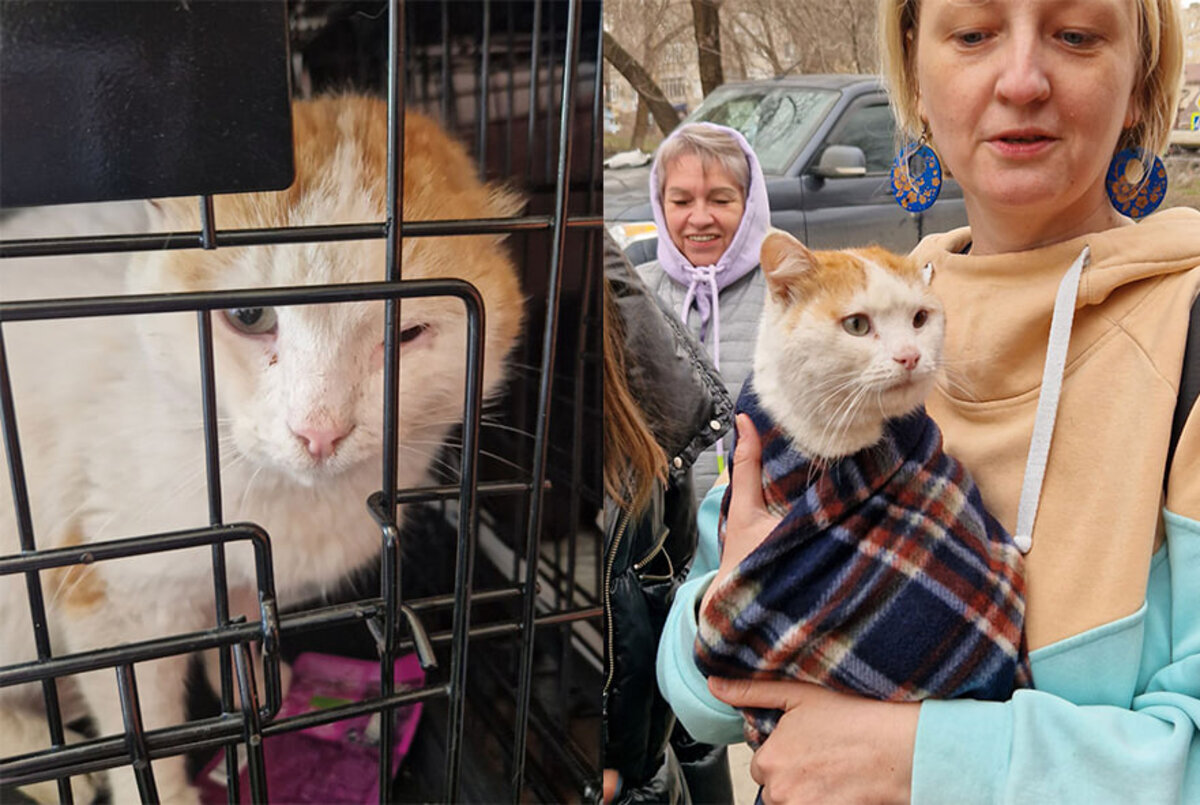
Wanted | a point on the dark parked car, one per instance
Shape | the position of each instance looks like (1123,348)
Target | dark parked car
(826,144)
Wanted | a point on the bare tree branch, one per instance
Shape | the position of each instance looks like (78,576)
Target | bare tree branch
(665,116)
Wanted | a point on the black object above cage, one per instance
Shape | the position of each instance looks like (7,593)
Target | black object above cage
(197,102)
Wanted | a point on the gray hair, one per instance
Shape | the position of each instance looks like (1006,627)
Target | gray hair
(712,146)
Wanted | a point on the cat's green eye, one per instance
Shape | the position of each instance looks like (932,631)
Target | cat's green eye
(858,324)
(252,320)
(920,319)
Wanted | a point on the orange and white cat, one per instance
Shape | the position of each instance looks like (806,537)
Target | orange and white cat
(848,340)
(111,424)
(885,576)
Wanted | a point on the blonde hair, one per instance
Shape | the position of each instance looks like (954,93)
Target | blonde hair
(712,146)
(633,460)
(1160,44)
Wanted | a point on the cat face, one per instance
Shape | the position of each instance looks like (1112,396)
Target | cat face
(300,388)
(850,338)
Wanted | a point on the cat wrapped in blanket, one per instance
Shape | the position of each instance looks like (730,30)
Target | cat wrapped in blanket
(886,576)
(111,423)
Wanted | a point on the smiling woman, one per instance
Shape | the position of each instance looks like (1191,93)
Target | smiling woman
(708,194)
(703,207)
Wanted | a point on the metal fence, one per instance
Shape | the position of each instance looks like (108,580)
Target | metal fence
(511,643)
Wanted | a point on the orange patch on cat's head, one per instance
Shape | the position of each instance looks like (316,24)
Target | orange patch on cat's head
(341,159)
(341,177)
(77,588)
(901,265)
(825,281)
(799,279)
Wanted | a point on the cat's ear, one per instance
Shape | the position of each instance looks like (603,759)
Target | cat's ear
(784,261)
(504,202)
(927,273)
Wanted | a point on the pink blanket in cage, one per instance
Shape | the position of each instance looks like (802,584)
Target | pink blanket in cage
(337,762)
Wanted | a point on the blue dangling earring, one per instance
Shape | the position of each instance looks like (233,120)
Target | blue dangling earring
(916,176)
(1137,197)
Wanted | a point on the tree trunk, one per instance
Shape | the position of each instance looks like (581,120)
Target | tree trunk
(640,120)
(665,116)
(742,72)
(854,41)
(706,14)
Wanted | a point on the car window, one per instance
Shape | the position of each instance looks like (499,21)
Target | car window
(872,129)
(776,121)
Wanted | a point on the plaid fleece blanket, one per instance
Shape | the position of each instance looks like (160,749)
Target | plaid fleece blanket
(886,578)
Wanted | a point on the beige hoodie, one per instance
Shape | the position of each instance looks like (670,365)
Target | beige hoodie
(1100,515)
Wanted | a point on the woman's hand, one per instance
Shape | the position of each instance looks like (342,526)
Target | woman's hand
(749,522)
(828,747)
(612,779)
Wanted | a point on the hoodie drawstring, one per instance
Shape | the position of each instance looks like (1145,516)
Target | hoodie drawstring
(709,274)
(1047,408)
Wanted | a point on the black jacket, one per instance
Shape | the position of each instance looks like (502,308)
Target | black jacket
(646,557)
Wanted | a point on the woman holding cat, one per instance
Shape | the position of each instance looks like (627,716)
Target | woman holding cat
(1027,102)
(710,198)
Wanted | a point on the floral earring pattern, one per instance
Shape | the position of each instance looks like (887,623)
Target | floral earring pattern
(1140,196)
(916,176)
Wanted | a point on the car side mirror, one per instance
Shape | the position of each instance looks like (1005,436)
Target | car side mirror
(840,161)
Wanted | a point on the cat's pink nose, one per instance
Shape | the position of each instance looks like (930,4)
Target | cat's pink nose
(322,442)
(907,358)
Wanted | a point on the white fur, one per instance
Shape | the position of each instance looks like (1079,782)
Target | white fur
(111,427)
(832,391)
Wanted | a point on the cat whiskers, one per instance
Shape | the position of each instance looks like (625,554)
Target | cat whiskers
(196,479)
(75,574)
(485,422)
(429,455)
(834,383)
(526,368)
(832,397)
(246,491)
(844,416)
(453,443)
(952,377)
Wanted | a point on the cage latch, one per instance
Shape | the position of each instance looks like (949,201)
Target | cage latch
(421,641)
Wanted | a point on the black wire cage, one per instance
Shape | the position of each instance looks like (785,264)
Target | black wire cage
(492,574)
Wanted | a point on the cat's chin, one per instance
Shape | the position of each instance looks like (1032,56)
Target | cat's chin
(902,398)
(814,437)
(828,448)
(323,473)
(292,470)
(826,432)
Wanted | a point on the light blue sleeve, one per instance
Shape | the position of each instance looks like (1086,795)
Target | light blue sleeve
(1039,747)
(683,686)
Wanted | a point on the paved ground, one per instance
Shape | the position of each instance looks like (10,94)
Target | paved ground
(745,790)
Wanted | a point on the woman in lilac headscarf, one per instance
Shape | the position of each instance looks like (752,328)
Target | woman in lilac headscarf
(710,204)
